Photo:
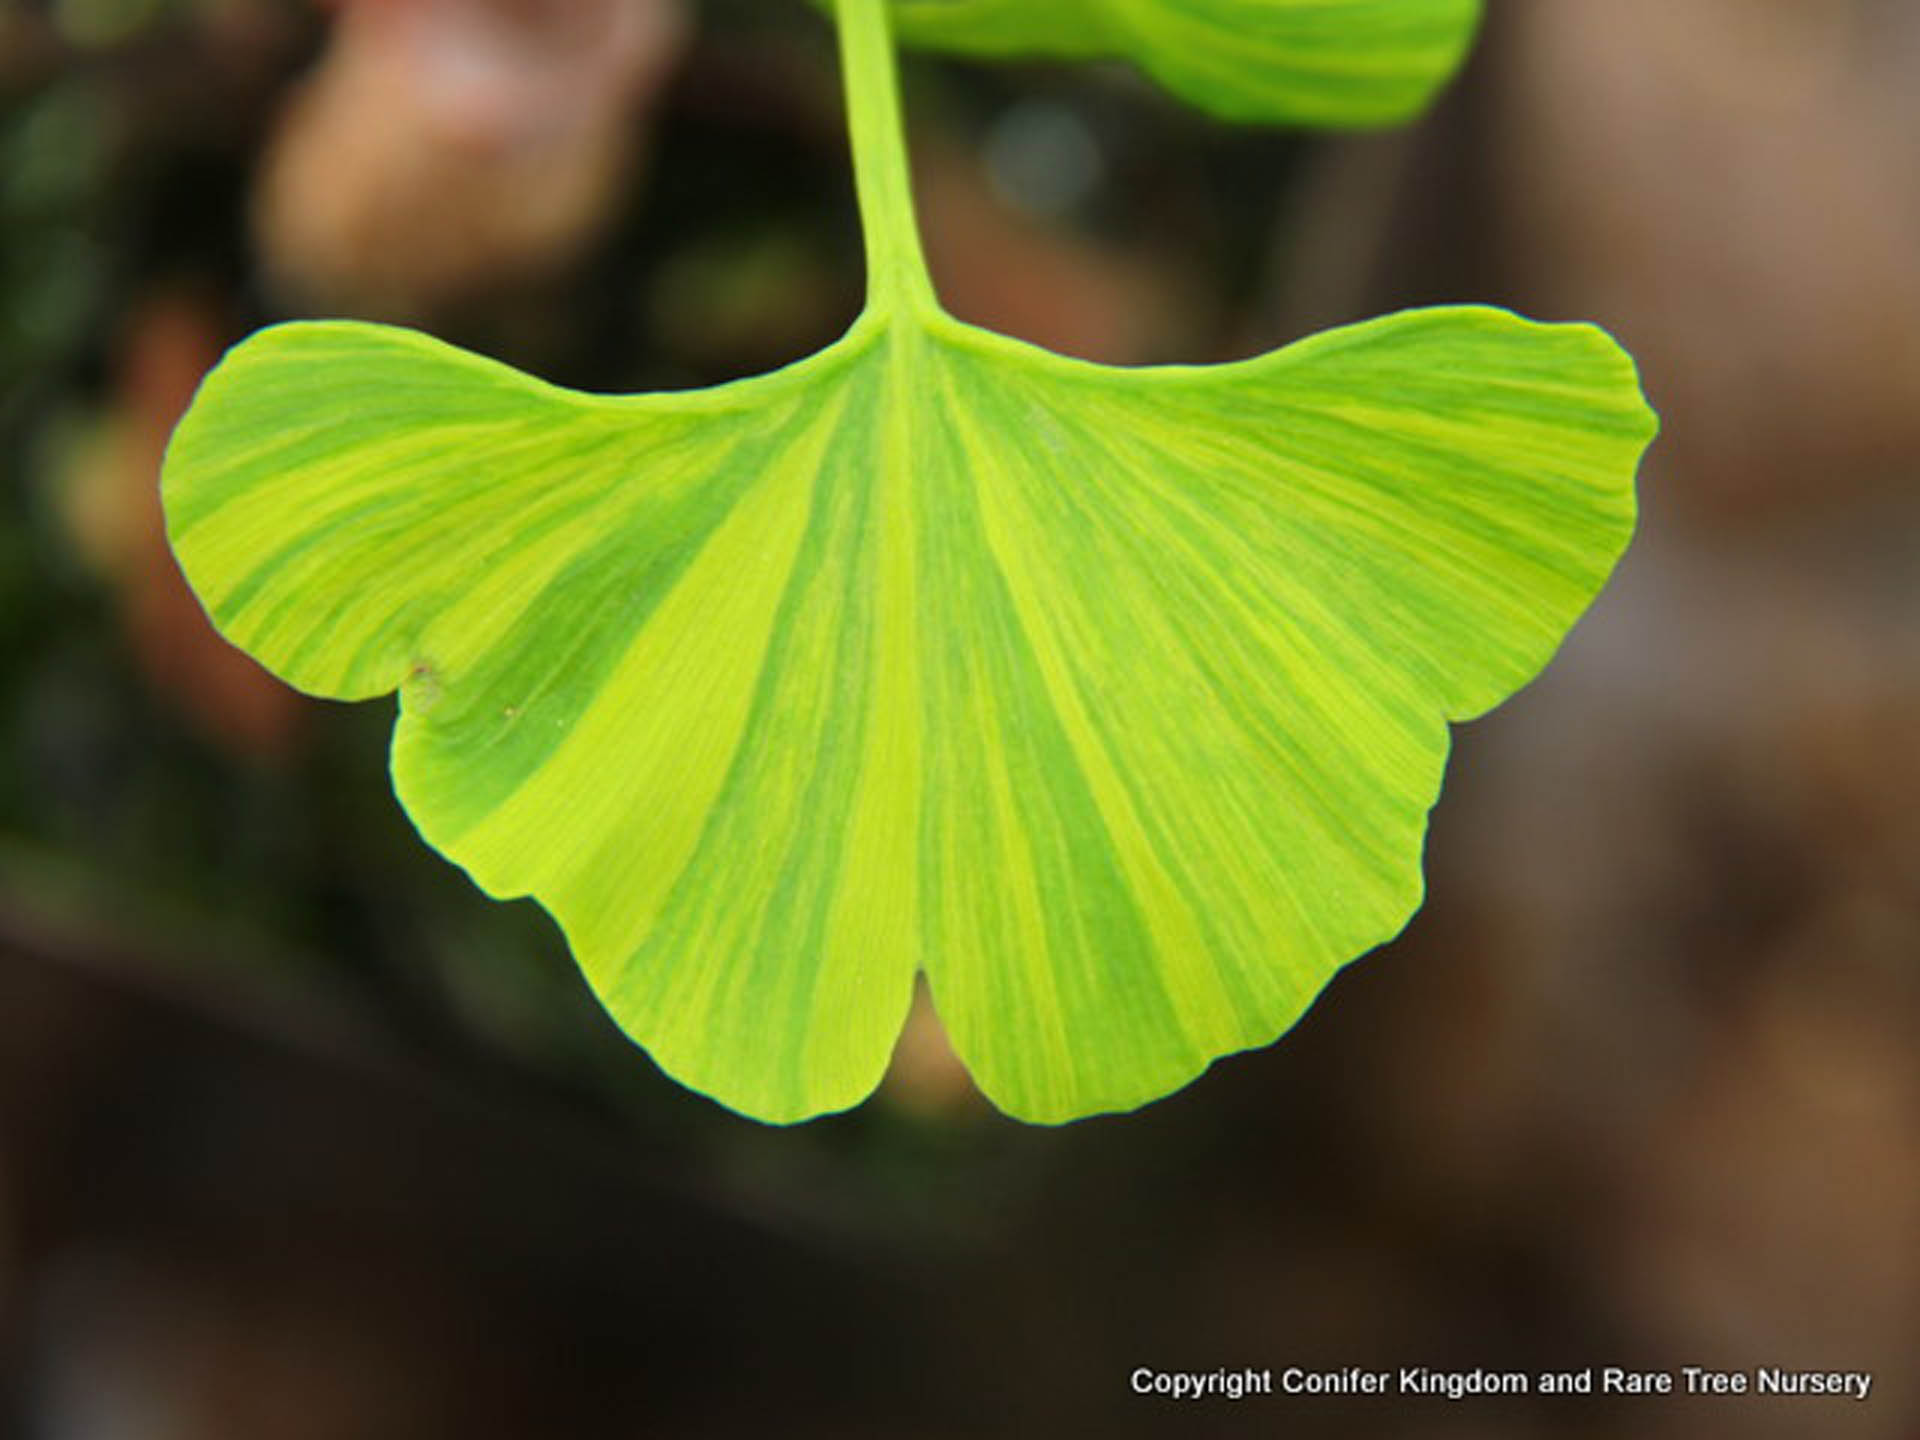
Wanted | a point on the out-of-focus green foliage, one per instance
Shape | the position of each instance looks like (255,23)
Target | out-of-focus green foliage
(53,167)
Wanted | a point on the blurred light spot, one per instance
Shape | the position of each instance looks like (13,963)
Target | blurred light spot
(1042,159)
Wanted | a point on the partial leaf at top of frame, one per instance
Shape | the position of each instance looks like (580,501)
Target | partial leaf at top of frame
(1348,63)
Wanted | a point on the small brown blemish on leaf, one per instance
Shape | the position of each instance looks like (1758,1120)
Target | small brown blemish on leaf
(422,687)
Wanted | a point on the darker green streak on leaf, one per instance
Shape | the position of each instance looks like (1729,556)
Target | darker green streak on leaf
(807,718)
(982,656)
(507,716)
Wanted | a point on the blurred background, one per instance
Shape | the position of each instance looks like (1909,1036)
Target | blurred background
(302,1138)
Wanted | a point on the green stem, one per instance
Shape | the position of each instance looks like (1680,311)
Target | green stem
(896,268)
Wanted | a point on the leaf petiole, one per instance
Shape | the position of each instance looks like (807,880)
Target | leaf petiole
(896,267)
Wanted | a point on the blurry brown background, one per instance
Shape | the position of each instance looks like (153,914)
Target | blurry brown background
(301,1137)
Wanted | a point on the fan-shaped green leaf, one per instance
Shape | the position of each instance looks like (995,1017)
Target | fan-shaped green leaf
(1112,700)
(1115,700)
(1319,62)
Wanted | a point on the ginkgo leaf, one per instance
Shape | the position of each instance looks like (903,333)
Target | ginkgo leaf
(1319,62)
(1114,700)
